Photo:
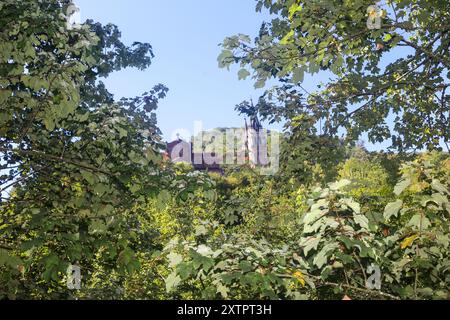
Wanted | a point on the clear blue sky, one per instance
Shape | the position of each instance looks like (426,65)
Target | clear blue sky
(185,36)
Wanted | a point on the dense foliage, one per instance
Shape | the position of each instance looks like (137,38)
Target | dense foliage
(390,80)
(83,179)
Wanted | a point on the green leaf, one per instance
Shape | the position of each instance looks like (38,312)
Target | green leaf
(184,270)
(125,256)
(200,230)
(172,281)
(420,222)
(439,199)
(392,209)
(245,266)
(174,259)
(7,259)
(88,176)
(439,187)
(223,290)
(340,184)
(314,215)
(309,244)
(101,189)
(97,227)
(287,38)
(260,84)
(361,220)
(322,257)
(243,74)
(49,123)
(294,9)
(199,260)
(225,58)
(298,75)
(122,132)
(105,210)
(163,199)
(4,95)
(355,206)
(401,186)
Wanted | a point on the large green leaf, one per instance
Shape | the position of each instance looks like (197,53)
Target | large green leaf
(172,281)
(401,186)
(392,209)
(361,220)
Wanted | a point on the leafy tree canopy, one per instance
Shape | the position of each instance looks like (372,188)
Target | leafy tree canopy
(395,73)
(74,160)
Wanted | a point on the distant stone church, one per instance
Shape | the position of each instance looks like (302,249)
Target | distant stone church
(255,150)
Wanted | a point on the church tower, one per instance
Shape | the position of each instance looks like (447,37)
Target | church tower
(256,142)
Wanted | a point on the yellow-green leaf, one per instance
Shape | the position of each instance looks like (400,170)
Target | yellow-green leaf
(408,241)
